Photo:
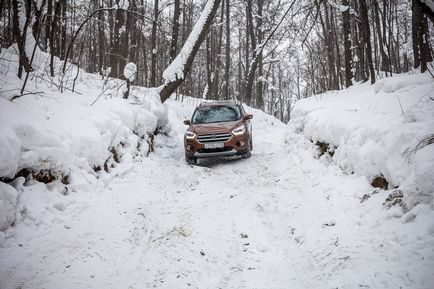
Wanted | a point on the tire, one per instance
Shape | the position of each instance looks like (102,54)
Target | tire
(191,161)
(249,153)
(246,155)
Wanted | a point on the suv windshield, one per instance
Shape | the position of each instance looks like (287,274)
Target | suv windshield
(216,114)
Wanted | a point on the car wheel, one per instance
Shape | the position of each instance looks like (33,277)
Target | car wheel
(246,155)
(251,143)
(191,161)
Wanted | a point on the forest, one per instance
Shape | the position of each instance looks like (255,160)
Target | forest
(216,144)
(267,54)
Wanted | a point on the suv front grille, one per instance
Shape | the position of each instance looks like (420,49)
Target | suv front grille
(214,137)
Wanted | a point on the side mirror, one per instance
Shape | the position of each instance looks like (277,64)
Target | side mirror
(248,116)
(187,122)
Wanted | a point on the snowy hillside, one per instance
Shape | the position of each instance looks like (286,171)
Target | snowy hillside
(115,216)
(374,131)
(70,136)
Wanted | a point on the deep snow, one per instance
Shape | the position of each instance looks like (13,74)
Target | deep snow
(281,219)
(285,218)
(375,129)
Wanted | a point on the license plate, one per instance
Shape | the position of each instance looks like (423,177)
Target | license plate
(214,145)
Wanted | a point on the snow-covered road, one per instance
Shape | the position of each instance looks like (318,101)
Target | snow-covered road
(281,219)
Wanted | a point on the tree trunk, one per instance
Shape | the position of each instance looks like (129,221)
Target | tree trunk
(20,38)
(421,49)
(347,44)
(101,40)
(154,46)
(48,21)
(329,42)
(338,57)
(218,59)
(366,38)
(227,53)
(174,75)
(385,62)
(175,30)
(208,69)
(251,68)
(62,45)
(260,36)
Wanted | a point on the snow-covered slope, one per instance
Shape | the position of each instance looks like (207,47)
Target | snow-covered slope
(375,130)
(69,135)
(281,219)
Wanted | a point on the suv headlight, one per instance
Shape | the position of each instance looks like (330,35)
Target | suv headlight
(190,135)
(239,130)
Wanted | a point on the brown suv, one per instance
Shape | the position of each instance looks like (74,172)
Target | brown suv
(218,129)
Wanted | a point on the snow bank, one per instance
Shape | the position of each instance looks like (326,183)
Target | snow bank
(70,133)
(8,203)
(375,128)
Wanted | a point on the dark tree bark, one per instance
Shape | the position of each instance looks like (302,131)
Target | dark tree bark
(154,46)
(427,10)
(338,58)
(101,39)
(227,53)
(38,17)
(2,4)
(63,32)
(347,44)
(260,37)
(251,67)
(208,68)
(329,42)
(385,62)
(125,41)
(218,59)
(366,39)
(416,25)
(115,47)
(175,29)
(48,21)
(20,38)
(53,32)
(421,49)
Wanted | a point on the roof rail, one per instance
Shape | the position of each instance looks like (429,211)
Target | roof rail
(217,102)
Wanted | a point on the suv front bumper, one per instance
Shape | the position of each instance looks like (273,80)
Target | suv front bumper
(236,145)
(232,152)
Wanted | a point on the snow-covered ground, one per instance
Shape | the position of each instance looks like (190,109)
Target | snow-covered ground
(76,135)
(373,131)
(282,219)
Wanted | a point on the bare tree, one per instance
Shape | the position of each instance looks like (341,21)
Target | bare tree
(347,43)
(175,74)
(175,29)
(154,46)
(20,36)
(366,41)
(227,53)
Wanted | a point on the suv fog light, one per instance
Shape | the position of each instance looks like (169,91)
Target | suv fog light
(189,148)
(240,143)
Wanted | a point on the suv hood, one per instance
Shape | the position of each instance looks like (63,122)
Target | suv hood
(218,127)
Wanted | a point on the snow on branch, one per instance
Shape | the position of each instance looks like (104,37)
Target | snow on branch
(175,73)
(176,69)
